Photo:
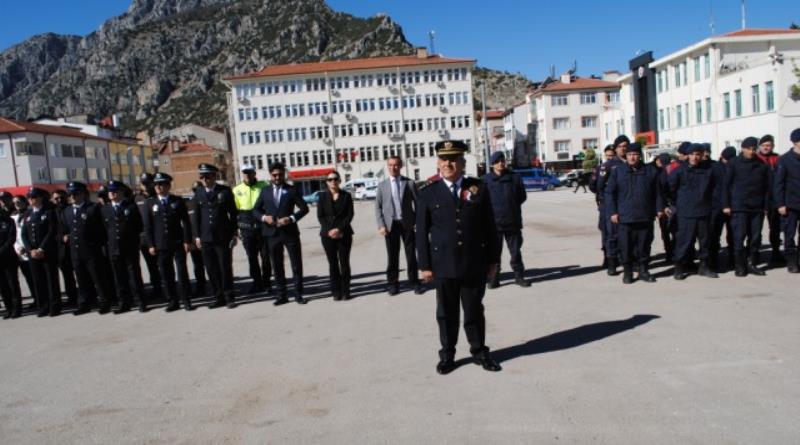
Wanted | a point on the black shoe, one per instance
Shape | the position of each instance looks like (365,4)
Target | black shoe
(7,315)
(627,274)
(521,282)
(255,289)
(791,263)
(753,268)
(281,300)
(605,261)
(611,267)
(187,305)
(644,274)
(740,266)
(44,313)
(393,290)
(494,283)
(55,312)
(216,303)
(173,307)
(122,309)
(487,363)
(445,366)
(143,308)
(419,289)
(231,304)
(337,297)
(346,295)
(81,310)
(777,259)
(104,309)
(300,300)
(679,273)
(704,271)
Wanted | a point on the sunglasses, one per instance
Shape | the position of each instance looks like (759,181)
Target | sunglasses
(333,179)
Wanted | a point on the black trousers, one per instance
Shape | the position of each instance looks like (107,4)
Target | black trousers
(25,268)
(170,261)
(128,278)
(450,293)
(747,226)
(719,221)
(68,275)
(218,259)
(275,245)
(9,286)
(199,269)
(396,234)
(93,280)
(635,242)
(514,241)
(775,225)
(611,236)
(601,226)
(151,263)
(338,253)
(689,230)
(666,237)
(791,223)
(253,242)
(44,274)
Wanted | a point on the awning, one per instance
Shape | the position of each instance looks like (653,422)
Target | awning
(310,173)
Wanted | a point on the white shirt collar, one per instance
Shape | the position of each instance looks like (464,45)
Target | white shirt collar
(450,184)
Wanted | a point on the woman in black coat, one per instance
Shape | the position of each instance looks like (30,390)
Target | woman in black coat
(335,212)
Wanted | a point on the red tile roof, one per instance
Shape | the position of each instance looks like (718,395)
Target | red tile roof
(580,83)
(760,32)
(349,65)
(14,126)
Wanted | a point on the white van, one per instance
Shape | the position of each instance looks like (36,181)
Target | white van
(355,186)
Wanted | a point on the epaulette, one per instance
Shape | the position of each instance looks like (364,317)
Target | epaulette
(432,180)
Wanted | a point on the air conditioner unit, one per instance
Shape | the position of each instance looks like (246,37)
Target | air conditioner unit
(327,140)
(413,161)
(408,87)
(335,92)
(443,108)
(326,117)
(442,132)
(350,116)
(243,100)
(393,89)
(441,84)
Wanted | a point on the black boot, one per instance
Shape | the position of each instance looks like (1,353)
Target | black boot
(680,271)
(605,261)
(173,305)
(187,304)
(521,281)
(791,263)
(713,262)
(644,274)
(777,259)
(612,267)
(494,283)
(231,300)
(627,274)
(705,271)
(752,266)
(740,265)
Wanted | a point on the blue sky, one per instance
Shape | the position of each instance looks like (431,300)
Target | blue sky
(517,36)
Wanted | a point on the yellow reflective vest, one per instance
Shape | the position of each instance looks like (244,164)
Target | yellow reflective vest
(246,195)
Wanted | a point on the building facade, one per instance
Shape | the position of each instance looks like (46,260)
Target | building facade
(351,115)
(181,159)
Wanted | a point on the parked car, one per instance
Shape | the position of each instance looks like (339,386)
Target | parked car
(366,192)
(570,178)
(312,198)
(538,179)
(354,185)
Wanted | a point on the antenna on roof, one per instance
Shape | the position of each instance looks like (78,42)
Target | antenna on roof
(711,16)
(431,38)
(552,71)
(744,17)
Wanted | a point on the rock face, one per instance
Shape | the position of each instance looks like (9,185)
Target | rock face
(160,64)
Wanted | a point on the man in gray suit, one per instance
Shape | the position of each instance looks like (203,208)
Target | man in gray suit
(395,214)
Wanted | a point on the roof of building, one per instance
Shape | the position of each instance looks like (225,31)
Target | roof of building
(349,65)
(760,32)
(495,114)
(579,83)
(8,125)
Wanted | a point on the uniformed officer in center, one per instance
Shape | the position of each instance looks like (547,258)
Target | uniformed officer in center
(612,237)
(146,190)
(457,251)
(39,237)
(246,195)
(214,228)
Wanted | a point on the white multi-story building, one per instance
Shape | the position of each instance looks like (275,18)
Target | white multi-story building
(568,115)
(352,115)
(519,126)
(618,115)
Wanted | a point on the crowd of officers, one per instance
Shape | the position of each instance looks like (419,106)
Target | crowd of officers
(694,198)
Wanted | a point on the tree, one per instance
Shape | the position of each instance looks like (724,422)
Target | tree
(794,26)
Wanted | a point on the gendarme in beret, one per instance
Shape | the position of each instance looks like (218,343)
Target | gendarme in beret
(36,192)
(160,178)
(696,148)
(207,168)
(450,148)
(634,147)
(749,142)
(684,148)
(728,153)
(795,136)
(620,139)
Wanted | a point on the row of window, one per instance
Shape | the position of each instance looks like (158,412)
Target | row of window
(586,98)
(702,70)
(563,123)
(346,82)
(732,106)
(563,146)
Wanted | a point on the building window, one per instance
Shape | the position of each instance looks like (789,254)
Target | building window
(770,96)
(698,111)
(755,94)
(589,121)
(59,174)
(561,123)
(660,120)
(559,100)
(588,98)
(590,143)
(2,150)
(708,109)
(707,63)
(659,85)
(677,71)
(679,116)
(738,94)
(613,97)
(726,105)
(696,65)
(562,146)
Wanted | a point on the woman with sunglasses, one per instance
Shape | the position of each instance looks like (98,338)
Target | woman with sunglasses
(335,212)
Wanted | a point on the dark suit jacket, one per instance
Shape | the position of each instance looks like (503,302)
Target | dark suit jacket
(215,217)
(87,234)
(40,230)
(166,227)
(330,219)
(123,227)
(290,199)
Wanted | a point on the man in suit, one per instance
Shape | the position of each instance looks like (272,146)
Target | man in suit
(395,214)
(275,209)
(123,224)
(214,227)
(457,251)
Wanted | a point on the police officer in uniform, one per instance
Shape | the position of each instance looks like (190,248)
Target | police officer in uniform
(612,247)
(198,265)
(747,199)
(786,192)
(719,220)
(168,234)
(124,226)
(598,172)
(60,201)
(661,162)
(633,195)
(766,155)
(214,228)
(145,191)
(39,237)
(457,251)
(245,195)
(86,235)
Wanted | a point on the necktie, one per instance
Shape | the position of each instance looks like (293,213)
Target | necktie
(454,188)
(164,202)
(398,208)
(277,195)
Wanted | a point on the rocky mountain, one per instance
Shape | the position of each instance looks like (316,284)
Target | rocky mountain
(160,64)
(503,89)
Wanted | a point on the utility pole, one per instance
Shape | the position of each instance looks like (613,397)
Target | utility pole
(485,127)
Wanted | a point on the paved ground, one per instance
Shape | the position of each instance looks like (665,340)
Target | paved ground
(586,359)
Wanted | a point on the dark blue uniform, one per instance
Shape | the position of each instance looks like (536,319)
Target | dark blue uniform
(124,226)
(83,225)
(456,239)
(214,224)
(609,234)
(508,194)
(9,265)
(39,231)
(747,195)
(150,261)
(65,262)
(786,193)
(719,220)
(692,189)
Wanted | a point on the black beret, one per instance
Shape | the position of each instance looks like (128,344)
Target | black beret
(766,138)
(795,136)
(706,147)
(497,157)
(76,187)
(684,148)
(450,148)
(634,147)
(694,148)
(665,158)
(728,153)
(36,192)
(749,142)
(207,168)
(161,178)
(620,139)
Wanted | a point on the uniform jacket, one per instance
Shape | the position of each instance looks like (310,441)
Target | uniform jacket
(634,193)
(746,185)
(329,218)
(40,230)
(786,187)
(290,199)
(166,227)
(8,236)
(84,226)
(384,205)
(508,194)
(456,240)
(771,160)
(601,178)
(63,248)
(692,189)
(718,170)
(215,217)
(123,228)
(141,202)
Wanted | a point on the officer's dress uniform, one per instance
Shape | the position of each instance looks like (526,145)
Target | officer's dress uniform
(610,234)
(245,197)
(83,224)
(457,240)
(167,229)
(9,265)
(124,226)
(150,261)
(692,188)
(39,231)
(786,192)
(65,262)
(196,256)
(214,224)
(747,184)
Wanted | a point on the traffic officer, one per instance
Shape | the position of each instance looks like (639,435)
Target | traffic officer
(39,233)
(214,228)
(123,225)
(457,251)
(168,234)
(766,155)
(719,220)
(598,172)
(245,195)
(746,200)
(84,232)
(691,188)
(633,195)
(60,201)
(9,265)
(146,190)
(507,196)
(612,248)
(275,209)
(786,191)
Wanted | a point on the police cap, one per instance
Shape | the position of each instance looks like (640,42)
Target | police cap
(76,187)
(36,192)
(450,148)
(161,178)
(204,169)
